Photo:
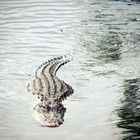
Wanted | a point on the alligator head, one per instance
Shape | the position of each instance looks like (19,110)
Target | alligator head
(51,91)
(50,114)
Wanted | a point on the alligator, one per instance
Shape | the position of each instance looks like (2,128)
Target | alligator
(51,91)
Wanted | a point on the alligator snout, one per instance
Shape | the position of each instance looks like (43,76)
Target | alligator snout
(53,123)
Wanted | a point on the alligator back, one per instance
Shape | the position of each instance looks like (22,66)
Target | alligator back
(46,84)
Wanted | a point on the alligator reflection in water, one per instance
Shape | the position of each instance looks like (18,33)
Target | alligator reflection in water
(51,91)
(129,112)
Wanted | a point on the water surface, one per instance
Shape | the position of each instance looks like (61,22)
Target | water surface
(103,37)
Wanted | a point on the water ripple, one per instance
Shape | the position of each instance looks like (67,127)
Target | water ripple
(103,38)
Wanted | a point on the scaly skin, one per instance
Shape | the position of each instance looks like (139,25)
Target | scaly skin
(51,91)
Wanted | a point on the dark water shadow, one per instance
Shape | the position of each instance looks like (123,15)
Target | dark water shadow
(129,112)
(127,0)
(109,47)
(105,50)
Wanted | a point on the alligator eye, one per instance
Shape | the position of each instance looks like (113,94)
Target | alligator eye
(42,106)
(48,108)
(56,100)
